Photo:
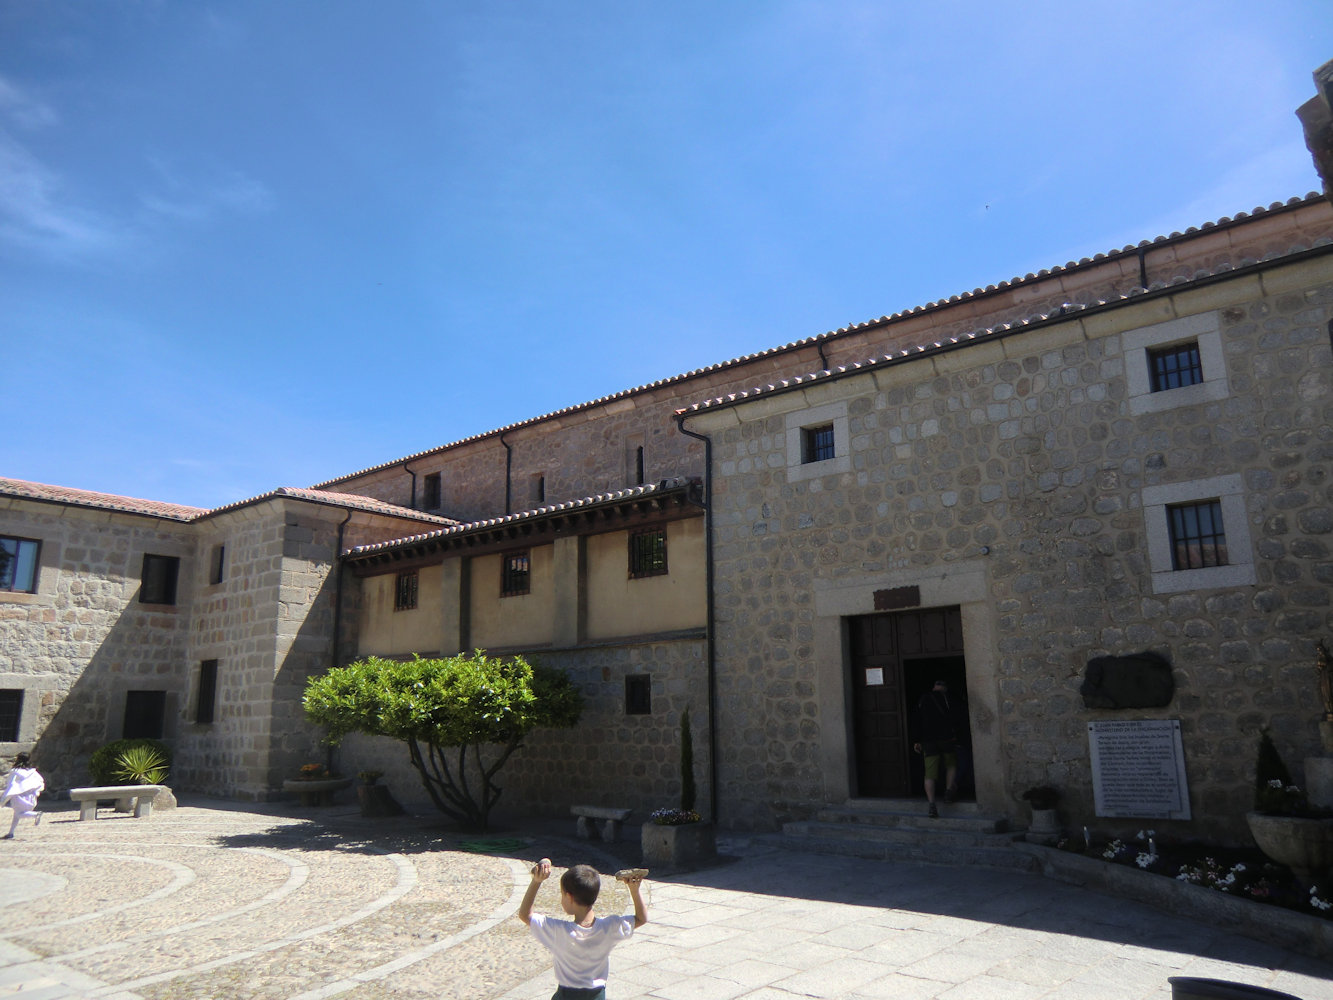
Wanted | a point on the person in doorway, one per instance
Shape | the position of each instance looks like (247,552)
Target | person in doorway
(581,948)
(21,791)
(940,725)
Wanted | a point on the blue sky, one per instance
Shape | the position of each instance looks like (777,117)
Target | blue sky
(266,243)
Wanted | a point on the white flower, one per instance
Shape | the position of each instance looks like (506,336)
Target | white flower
(1275,783)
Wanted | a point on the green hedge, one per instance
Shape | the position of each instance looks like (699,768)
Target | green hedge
(102,764)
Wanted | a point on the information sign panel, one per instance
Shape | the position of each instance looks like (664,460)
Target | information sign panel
(1138,769)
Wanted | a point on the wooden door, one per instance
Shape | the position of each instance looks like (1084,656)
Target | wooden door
(879,715)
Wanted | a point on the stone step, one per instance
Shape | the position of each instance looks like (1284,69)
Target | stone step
(911,814)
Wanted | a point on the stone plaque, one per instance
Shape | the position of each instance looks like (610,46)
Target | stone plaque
(898,597)
(1138,769)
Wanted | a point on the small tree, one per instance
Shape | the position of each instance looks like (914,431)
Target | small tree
(461,717)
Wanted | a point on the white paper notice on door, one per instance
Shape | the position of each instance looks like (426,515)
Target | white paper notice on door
(874,676)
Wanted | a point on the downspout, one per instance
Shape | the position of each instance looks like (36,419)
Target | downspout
(413,501)
(338,588)
(1143,267)
(710,653)
(823,361)
(509,475)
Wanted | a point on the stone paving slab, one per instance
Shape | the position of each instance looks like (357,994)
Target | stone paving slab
(219,900)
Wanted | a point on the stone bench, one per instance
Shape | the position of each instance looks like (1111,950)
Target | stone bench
(141,796)
(609,820)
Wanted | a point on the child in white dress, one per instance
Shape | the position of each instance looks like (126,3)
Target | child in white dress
(21,791)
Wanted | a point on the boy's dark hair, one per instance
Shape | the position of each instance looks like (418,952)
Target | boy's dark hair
(583,883)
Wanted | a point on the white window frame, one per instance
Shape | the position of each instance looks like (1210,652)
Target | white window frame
(1229,492)
(1205,329)
(817,416)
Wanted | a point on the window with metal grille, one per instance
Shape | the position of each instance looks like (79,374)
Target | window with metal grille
(208,691)
(18,564)
(817,443)
(647,553)
(11,711)
(515,574)
(158,582)
(638,695)
(217,564)
(1175,366)
(1197,538)
(430,497)
(405,592)
(145,713)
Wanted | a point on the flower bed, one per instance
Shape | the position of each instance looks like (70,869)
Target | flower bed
(1238,871)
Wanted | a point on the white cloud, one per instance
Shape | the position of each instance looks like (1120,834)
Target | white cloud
(32,213)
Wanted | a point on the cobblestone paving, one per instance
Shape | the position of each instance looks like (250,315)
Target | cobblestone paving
(215,900)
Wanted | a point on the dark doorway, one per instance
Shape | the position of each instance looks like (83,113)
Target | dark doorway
(895,658)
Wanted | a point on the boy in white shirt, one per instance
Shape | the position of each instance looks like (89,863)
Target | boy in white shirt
(581,948)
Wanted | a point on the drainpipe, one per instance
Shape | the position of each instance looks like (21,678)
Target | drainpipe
(1143,267)
(412,502)
(338,588)
(710,653)
(823,360)
(509,475)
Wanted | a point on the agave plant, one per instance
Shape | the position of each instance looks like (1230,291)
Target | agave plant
(141,766)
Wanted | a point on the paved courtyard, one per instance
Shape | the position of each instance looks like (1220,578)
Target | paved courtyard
(218,900)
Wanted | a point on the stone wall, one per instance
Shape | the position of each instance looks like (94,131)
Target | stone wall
(1018,463)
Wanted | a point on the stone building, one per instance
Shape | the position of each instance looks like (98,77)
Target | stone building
(980,487)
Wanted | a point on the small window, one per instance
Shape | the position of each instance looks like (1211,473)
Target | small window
(18,565)
(647,553)
(638,466)
(638,695)
(145,713)
(208,691)
(158,584)
(1197,538)
(817,444)
(217,563)
(11,711)
(405,592)
(1174,367)
(430,499)
(539,489)
(515,574)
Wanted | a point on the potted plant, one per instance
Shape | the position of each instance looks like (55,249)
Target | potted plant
(1045,828)
(679,836)
(315,784)
(1283,823)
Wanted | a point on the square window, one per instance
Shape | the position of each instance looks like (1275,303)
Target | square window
(647,553)
(11,711)
(515,574)
(216,564)
(18,564)
(430,499)
(1197,538)
(208,691)
(817,444)
(158,583)
(1174,367)
(638,695)
(405,592)
(145,714)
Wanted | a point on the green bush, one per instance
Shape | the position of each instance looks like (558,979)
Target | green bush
(105,765)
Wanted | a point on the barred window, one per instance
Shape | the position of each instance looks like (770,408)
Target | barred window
(515,574)
(1197,538)
(817,444)
(405,592)
(1175,367)
(18,564)
(647,553)
(11,711)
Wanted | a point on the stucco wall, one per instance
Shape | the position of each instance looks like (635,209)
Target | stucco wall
(621,606)
(1021,460)
(386,632)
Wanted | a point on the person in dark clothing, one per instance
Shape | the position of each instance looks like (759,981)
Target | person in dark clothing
(941,722)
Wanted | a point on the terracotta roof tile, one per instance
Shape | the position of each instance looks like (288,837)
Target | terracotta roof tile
(103,501)
(349,500)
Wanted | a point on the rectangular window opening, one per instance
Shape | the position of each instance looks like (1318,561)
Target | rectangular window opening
(11,711)
(208,691)
(158,583)
(1198,540)
(430,497)
(1174,367)
(638,695)
(405,592)
(18,564)
(515,574)
(145,714)
(638,466)
(217,564)
(538,489)
(817,444)
(647,553)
